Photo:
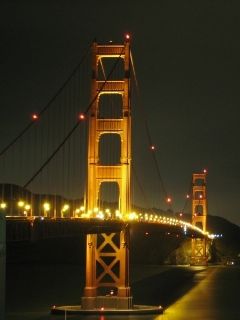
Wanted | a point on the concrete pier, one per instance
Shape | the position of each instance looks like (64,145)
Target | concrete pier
(135,310)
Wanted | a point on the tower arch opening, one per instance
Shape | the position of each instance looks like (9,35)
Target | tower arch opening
(109,198)
(109,149)
(111,68)
(110,106)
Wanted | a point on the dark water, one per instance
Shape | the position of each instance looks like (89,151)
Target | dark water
(185,292)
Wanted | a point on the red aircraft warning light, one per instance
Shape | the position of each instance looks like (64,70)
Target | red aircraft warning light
(169,200)
(127,36)
(35,116)
(82,116)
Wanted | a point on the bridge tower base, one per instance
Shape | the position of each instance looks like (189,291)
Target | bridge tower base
(107,272)
(199,219)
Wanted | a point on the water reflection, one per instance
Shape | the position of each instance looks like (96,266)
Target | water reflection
(186,293)
(213,298)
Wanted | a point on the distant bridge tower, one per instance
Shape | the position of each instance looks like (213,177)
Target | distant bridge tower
(107,254)
(199,218)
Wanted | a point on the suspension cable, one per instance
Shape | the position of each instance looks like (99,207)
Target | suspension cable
(145,198)
(5,149)
(76,125)
(153,150)
(187,197)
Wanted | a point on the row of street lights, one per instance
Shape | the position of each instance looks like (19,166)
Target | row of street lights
(26,209)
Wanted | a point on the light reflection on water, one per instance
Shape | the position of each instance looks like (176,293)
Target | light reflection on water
(214,295)
(41,316)
(123,317)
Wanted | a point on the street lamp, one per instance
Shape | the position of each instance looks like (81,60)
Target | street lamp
(46,208)
(3,205)
(65,208)
(20,205)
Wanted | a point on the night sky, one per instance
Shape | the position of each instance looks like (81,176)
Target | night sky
(186,55)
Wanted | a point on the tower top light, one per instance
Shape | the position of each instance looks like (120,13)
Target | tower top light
(127,37)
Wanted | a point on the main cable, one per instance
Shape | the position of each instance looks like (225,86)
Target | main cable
(76,125)
(6,148)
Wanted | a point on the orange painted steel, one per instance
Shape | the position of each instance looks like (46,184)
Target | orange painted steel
(107,255)
(199,218)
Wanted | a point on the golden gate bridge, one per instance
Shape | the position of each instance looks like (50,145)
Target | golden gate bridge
(83,150)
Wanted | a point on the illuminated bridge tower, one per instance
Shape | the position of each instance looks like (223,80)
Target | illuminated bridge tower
(199,218)
(107,254)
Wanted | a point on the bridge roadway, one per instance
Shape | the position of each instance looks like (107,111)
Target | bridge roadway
(36,228)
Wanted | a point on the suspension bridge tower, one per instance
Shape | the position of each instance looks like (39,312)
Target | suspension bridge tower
(199,217)
(107,254)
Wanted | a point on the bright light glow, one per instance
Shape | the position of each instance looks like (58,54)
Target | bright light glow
(46,206)
(204,170)
(185,229)
(34,116)
(108,213)
(20,203)
(187,196)
(95,210)
(82,208)
(152,147)
(214,236)
(169,200)
(82,116)
(3,205)
(127,36)
(118,214)
(65,207)
(133,216)
(27,206)
(100,215)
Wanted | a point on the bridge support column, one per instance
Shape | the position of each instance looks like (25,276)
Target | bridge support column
(107,271)
(199,218)
(107,256)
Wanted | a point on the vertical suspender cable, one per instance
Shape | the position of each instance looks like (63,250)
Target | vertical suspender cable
(21,133)
(149,135)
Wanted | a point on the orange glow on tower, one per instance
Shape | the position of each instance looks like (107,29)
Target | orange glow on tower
(199,218)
